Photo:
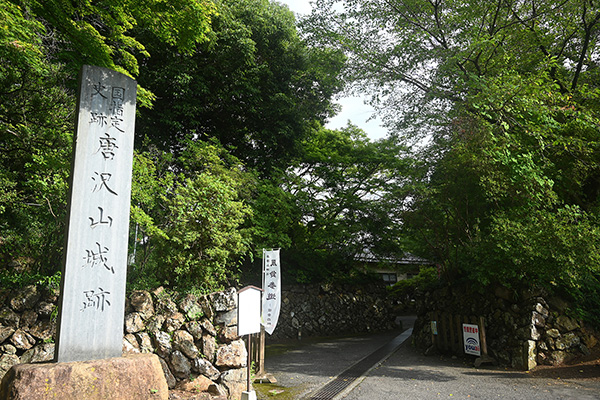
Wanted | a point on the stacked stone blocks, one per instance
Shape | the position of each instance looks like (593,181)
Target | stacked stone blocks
(194,336)
(524,328)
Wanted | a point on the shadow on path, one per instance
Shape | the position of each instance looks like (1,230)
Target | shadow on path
(308,366)
(411,374)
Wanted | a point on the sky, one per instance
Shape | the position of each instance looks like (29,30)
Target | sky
(353,108)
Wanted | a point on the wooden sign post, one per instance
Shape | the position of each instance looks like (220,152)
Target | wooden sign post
(249,303)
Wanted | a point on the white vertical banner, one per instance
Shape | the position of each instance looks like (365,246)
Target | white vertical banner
(271,303)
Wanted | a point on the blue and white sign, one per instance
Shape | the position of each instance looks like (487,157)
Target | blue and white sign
(471,339)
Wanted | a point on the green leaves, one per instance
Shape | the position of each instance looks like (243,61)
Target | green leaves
(557,248)
(343,189)
(239,75)
(35,145)
(191,221)
(20,39)
(255,86)
(418,59)
(105,33)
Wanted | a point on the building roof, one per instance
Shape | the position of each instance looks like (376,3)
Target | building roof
(406,259)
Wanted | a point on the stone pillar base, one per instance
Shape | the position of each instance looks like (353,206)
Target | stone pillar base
(137,376)
(251,395)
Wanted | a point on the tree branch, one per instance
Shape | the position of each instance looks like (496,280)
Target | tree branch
(585,46)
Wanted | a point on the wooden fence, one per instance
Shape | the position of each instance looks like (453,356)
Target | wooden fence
(447,334)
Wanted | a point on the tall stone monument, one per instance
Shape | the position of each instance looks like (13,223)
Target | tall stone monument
(92,304)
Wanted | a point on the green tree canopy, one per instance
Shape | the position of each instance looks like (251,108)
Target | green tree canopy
(103,33)
(190,216)
(343,188)
(419,57)
(35,140)
(255,86)
(506,94)
(42,47)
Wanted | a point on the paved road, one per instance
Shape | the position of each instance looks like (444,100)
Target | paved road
(302,368)
(409,375)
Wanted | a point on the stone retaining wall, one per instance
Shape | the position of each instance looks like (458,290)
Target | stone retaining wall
(523,329)
(195,337)
(326,310)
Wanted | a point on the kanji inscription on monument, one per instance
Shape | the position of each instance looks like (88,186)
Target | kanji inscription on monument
(92,300)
